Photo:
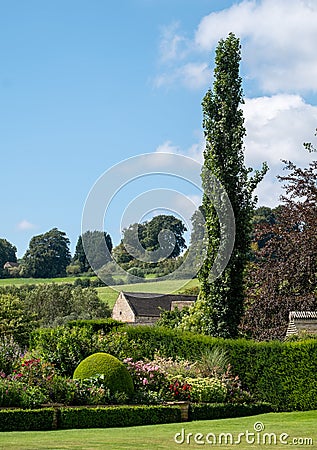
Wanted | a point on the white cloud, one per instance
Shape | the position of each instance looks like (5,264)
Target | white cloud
(167,147)
(191,75)
(195,151)
(25,225)
(278,41)
(173,45)
(276,128)
(278,45)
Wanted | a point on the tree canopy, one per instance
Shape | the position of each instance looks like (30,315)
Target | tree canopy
(219,307)
(7,253)
(92,244)
(48,255)
(283,276)
(159,238)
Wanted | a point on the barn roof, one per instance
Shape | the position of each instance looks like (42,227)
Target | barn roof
(149,304)
(303,315)
(302,321)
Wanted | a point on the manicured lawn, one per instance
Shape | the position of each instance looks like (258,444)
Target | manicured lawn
(110,294)
(299,425)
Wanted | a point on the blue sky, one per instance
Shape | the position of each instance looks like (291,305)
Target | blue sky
(85,85)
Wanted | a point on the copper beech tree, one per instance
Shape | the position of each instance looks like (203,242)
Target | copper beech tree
(283,276)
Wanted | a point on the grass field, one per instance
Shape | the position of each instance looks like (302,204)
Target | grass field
(296,425)
(110,294)
(23,281)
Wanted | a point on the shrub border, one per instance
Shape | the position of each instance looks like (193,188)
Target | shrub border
(58,418)
(211,411)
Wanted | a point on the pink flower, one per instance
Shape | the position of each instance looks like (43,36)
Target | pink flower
(145,381)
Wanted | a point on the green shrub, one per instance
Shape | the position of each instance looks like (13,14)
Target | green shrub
(65,347)
(210,411)
(18,394)
(194,290)
(26,420)
(69,344)
(206,390)
(118,416)
(104,325)
(56,304)
(281,373)
(15,319)
(100,417)
(116,376)
(83,282)
(136,271)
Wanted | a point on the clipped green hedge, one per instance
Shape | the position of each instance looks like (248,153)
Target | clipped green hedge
(104,325)
(210,411)
(27,419)
(118,416)
(84,417)
(281,373)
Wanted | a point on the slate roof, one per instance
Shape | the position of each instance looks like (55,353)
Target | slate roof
(10,264)
(149,304)
(303,315)
(301,319)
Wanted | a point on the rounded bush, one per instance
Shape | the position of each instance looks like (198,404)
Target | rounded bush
(116,376)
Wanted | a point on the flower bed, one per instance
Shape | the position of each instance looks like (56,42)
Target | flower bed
(34,382)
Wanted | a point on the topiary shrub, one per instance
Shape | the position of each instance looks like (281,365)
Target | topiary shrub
(116,376)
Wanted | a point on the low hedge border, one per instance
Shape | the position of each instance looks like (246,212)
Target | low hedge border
(210,411)
(119,416)
(44,419)
(27,419)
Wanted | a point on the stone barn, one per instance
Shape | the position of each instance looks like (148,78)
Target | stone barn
(142,308)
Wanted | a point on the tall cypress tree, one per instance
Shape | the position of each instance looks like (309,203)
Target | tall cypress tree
(219,307)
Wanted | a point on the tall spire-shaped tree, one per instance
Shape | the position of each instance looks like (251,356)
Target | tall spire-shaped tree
(219,307)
